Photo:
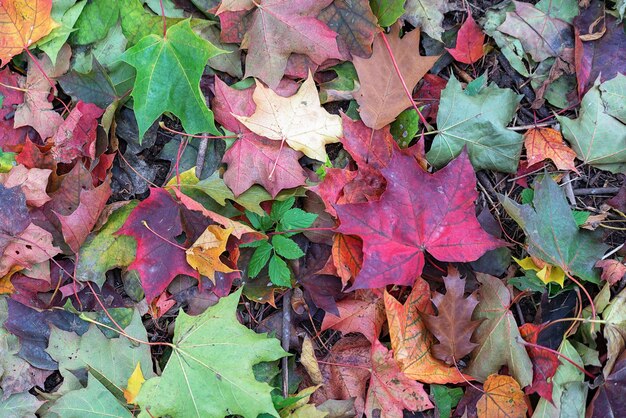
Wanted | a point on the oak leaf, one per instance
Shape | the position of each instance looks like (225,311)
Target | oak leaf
(298,120)
(544,143)
(497,336)
(22,23)
(503,398)
(382,96)
(204,254)
(411,341)
(453,325)
(469,42)
(418,212)
(253,159)
(362,312)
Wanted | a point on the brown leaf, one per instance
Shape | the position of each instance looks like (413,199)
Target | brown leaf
(364,312)
(411,341)
(382,97)
(453,325)
(503,398)
(544,143)
(612,270)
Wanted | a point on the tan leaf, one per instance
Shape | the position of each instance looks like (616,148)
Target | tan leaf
(204,254)
(299,120)
(309,361)
(381,96)
(544,143)
(503,398)
(411,341)
(364,312)
(33,183)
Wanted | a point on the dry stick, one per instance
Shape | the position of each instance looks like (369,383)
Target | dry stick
(569,191)
(202,148)
(596,191)
(406,89)
(285,337)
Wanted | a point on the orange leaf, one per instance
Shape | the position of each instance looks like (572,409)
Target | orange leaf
(347,256)
(503,398)
(411,341)
(204,254)
(22,22)
(544,143)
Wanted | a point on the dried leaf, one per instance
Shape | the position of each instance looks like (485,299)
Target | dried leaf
(204,254)
(544,143)
(503,398)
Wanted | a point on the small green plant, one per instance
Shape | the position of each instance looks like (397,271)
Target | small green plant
(283,217)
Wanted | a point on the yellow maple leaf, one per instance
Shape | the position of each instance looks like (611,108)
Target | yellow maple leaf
(502,398)
(22,23)
(204,254)
(546,272)
(134,384)
(299,120)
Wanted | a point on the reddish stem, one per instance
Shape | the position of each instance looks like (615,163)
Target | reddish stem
(164,21)
(162,237)
(406,89)
(563,356)
(165,128)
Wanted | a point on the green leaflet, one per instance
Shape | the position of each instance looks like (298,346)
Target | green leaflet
(387,11)
(103,250)
(597,137)
(209,373)
(66,13)
(95,21)
(168,78)
(552,233)
(477,121)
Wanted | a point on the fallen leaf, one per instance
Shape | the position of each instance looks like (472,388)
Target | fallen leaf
(541,35)
(390,391)
(11,138)
(37,111)
(503,398)
(590,56)
(134,384)
(497,335)
(355,24)
(545,271)
(76,136)
(279,28)
(469,42)
(77,225)
(347,257)
(82,400)
(411,341)
(204,254)
(609,399)
(427,15)
(387,11)
(23,23)
(204,379)
(614,97)
(453,325)
(544,143)
(463,121)
(364,312)
(404,223)
(298,120)
(253,159)
(155,223)
(612,270)
(32,182)
(597,137)
(382,97)
(309,361)
(552,233)
(615,330)
(169,69)
(545,363)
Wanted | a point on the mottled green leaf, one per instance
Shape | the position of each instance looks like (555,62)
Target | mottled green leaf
(97,18)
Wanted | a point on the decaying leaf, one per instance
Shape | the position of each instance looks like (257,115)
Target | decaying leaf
(544,143)
(204,254)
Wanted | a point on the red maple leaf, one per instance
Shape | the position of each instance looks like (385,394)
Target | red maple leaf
(545,363)
(469,42)
(253,159)
(76,136)
(155,223)
(418,212)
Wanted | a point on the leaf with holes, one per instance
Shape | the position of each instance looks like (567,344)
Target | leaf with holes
(210,370)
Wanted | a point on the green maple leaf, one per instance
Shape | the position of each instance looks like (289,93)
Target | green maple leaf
(476,118)
(597,137)
(552,233)
(168,78)
(209,373)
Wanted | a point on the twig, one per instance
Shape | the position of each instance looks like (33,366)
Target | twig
(613,251)
(285,337)
(202,147)
(569,192)
(534,125)
(596,191)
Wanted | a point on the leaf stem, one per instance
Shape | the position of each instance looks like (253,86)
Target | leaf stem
(164,21)
(563,356)
(162,237)
(404,86)
(165,128)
